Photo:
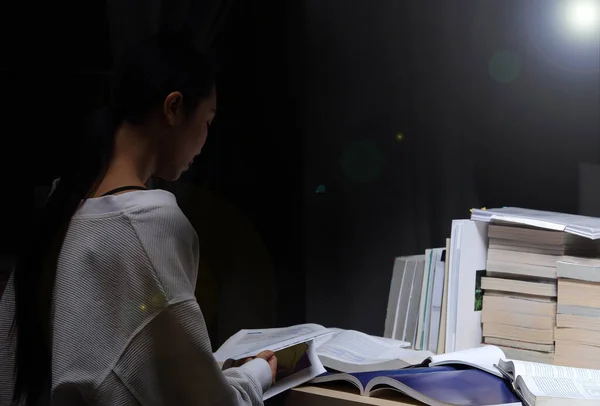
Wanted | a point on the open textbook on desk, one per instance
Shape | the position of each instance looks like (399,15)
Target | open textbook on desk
(443,380)
(304,350)
(463,378)
(434,386)
(551,385)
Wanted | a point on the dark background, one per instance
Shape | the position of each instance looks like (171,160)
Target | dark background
(349,132)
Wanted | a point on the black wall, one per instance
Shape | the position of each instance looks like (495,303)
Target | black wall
(424,69)
(349,131)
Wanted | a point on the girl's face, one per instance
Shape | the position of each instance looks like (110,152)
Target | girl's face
(185,136)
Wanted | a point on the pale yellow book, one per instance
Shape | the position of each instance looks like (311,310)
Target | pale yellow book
(571,349)
(518,333)
(518,319)
(519,286)
(576,335)
(578,293)
(580,322)
(504,342)
(519,305)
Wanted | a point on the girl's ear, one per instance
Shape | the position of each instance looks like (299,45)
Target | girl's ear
(173,108)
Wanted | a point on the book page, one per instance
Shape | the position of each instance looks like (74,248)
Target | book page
(524,368)
(541,386)
(484,358)
(354,347)
(246,343)
(295,365)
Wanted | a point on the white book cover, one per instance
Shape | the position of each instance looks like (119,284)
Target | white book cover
(468,255)
(403,303)
(421,326)
(398,277)
(432,257)
(436,303)
(412,310)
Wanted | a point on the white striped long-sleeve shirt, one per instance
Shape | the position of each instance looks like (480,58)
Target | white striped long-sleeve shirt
(126,327)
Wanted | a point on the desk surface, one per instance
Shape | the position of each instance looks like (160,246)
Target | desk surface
(334,395)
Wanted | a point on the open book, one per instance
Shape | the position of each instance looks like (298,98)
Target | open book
(304,350)
(294,347)
(550,385)
(434,386)
(352,351)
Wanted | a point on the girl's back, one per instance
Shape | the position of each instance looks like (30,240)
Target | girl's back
(124,285)
(101,308)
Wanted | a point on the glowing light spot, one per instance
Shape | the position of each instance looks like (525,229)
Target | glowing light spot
(582,16)
(362,162)
(320,189)
(504,67)
(143,307)
(399,137)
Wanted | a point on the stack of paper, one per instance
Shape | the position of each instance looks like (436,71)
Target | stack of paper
(588,227)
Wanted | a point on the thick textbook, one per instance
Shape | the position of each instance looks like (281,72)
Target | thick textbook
(549,385)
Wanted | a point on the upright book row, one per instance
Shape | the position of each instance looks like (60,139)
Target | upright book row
(527,281)
(434,300)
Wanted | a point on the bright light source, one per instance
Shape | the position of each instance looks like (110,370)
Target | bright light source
(583,15)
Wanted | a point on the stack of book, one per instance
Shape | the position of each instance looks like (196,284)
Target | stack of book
(578,315)
(520,288)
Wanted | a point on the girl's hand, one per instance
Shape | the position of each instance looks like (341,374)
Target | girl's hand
(271,358)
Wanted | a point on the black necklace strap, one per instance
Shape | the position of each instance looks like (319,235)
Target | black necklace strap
(123,188)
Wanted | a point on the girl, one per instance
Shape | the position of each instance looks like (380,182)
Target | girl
(101,307)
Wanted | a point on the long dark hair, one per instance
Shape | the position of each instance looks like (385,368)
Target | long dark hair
(147,74)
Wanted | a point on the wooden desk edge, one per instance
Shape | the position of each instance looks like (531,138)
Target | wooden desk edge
(318,396)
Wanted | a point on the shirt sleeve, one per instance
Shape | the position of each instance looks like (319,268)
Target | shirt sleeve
(170,362)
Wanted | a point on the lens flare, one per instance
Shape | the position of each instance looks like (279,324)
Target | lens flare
(582,16)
